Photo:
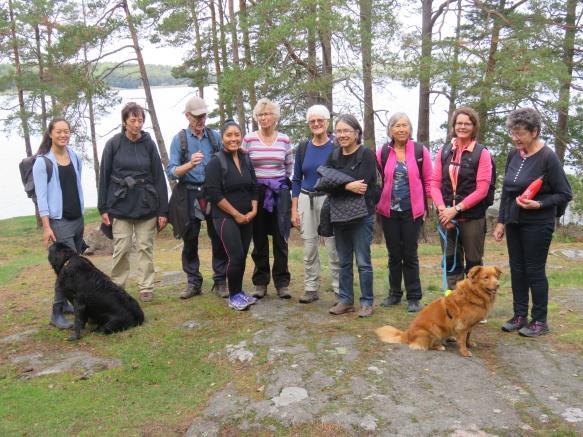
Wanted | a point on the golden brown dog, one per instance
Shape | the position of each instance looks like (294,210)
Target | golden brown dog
(451,316)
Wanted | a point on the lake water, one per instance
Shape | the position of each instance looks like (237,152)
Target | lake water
(388,98)
(169,103)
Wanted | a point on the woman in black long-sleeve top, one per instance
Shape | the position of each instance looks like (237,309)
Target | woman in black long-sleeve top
(529,224)
(231,187)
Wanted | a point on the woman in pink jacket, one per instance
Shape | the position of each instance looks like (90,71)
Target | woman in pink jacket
(406,170)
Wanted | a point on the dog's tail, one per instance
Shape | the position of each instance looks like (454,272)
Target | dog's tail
(389,334)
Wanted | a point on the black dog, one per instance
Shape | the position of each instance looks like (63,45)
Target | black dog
(93,295)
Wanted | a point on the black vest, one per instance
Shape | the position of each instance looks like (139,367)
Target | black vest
(466,182)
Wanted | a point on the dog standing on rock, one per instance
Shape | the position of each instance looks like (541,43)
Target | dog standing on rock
(94,296)
(450,316)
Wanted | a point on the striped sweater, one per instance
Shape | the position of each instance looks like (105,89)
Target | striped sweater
(275,161)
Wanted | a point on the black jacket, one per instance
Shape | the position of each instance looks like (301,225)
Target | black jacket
(132,184)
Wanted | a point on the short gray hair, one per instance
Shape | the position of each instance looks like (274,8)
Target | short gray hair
(266,103)
(394,119)
(527,118)
(318,110)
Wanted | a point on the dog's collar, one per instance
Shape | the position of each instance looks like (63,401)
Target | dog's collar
(66,262)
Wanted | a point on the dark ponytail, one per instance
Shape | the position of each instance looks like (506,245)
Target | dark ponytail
(46,143)
(228,123)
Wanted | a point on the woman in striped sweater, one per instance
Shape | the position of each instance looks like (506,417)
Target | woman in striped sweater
(271,155)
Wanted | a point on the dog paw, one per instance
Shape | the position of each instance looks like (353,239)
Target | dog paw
(466,354)
(440,347)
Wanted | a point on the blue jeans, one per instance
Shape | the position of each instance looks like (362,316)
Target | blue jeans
(355,238)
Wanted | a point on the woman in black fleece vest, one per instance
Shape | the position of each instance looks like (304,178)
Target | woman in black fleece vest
(529,224)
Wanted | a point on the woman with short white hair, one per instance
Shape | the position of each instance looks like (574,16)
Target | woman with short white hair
(272,159)
(307,202)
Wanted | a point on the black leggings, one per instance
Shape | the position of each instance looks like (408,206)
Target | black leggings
(236,239)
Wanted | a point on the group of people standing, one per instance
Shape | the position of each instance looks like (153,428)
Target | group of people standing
(249,187)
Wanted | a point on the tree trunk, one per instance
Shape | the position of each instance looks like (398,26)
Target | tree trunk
(224,57)
(425,72)
(327,79)
(484,102)
(236,65)
(217,59)
(313,92)
(41,76)
(366,54)
(562,131)
(454,81)
(247,50)
(197,43)
(146,84)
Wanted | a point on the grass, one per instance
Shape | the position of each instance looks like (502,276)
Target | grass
(167,372)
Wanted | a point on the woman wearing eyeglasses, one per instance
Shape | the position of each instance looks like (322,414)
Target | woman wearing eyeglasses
(353,232)
(461,178)
(272,159)
(307,202)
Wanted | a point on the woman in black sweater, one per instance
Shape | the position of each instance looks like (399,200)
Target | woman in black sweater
(354,237)
(529,224)
(231,187)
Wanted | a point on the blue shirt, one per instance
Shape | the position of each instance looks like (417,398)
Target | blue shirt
(49,196)
(195,175)
(306,176)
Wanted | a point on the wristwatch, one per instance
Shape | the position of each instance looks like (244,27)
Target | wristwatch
(458,209)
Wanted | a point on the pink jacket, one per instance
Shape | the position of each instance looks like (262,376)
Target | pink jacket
(417,191)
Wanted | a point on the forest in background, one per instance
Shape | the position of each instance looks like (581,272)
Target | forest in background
(494,55)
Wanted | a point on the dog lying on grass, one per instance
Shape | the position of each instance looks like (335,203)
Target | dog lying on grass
(451,316)
(94,296)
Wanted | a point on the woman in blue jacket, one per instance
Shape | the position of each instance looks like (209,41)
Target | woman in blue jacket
(59,197)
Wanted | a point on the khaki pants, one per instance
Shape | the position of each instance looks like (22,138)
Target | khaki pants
(123,231)
(310,219)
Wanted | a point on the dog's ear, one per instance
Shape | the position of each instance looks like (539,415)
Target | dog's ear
(498,272)
(474,272)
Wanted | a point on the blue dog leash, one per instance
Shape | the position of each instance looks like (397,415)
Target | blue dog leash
(443,234)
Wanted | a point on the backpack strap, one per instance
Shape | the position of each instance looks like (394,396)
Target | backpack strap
(49,166)
(384,158)
(223,162)
(301,152)
(419,158)
(212,139)
(183,146)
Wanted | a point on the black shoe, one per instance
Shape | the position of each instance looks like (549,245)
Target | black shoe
(514,324)
(391,300)
(58,319)
(413,306)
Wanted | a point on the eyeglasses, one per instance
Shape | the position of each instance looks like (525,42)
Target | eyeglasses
(316,121)
(461,124)
(517,133)
(264,114)
(344,131)
(400,126)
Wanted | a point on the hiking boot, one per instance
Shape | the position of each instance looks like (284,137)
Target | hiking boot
(238,302)
(260,291)
(365,311)
(58,319)
(309,296)
(250,299)
(221,290)
(68,308)
(190,291)
(283,292)
(391,300)
(413,306)
(534,329)
(341,308)
(514,324)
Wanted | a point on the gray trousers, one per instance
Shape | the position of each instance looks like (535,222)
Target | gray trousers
(69,232)
(309,221)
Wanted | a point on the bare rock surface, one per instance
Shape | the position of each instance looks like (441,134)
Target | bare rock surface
(40,364)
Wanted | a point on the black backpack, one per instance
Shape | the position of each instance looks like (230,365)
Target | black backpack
(418,157)
(489,199)
(25,168)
